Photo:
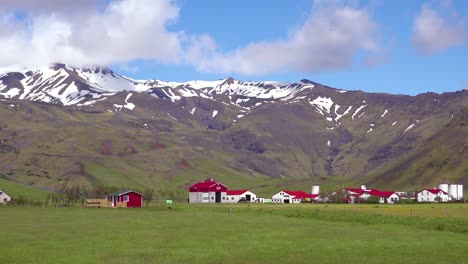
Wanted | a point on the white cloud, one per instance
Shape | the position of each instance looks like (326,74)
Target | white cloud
(329,39)
(434,32)
(119,32)
(123,31)
(37,6)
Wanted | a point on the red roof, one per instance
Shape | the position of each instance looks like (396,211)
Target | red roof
(236,192)
(384,194)
(434,191)
(358,191)
(207,185)
(301,194)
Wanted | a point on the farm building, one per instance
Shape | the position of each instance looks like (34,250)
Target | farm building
(209,191)
(286,196)
(4,197)
(234,196)
(125,199)
(454,191)
(433,195)
(356,195)
(389,197)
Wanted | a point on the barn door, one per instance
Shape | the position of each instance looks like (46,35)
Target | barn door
(218,197)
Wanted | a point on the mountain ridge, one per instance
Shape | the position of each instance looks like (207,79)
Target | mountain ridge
(268,134)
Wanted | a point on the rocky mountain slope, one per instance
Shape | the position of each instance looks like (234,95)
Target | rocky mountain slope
(92,126)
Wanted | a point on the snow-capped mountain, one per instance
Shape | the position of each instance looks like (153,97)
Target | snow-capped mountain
(65,85)
(57,119)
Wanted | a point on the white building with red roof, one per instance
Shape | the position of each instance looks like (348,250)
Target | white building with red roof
(389,197)
(356,195)
(286,196)
(433,195)
(234,196)
(209,191)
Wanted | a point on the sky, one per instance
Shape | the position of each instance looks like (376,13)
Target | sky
(400,47)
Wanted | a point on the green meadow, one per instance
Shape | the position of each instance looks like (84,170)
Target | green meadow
(238,233)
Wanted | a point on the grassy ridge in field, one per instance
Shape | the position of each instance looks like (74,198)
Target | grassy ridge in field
(210,234)
(17,189)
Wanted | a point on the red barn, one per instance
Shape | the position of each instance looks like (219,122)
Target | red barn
(129,198)
(209,191)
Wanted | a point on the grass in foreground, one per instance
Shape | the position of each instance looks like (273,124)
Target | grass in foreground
(210,234)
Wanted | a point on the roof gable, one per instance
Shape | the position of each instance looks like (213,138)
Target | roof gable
(205,186)
(383,194)
(300,194)
(434,191)
(119,193)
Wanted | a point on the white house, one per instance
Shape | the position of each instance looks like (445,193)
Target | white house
(293,197)
(4,197)
(433,195)
(234,196)
(389,197)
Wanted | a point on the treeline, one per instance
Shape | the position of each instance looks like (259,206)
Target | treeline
(75,195)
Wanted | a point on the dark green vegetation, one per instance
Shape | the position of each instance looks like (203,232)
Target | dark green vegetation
(250,234)
(281,145)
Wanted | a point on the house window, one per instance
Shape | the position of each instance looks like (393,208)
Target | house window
(212,198)
(126,198)
(224,198)
(232,198)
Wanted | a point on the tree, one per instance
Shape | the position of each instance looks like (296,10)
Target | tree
(148,195)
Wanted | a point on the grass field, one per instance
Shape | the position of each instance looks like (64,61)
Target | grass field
(248,234)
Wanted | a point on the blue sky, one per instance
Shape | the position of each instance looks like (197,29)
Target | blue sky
(406,47)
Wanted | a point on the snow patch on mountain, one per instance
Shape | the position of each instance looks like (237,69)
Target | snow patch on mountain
(127,105)
(384,113)
(13,92)
(339,116)
(357,111)
(323,104)
(409,127)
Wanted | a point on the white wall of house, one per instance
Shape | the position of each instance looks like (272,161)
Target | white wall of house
(294,200)
(390,200)
(282,197)
(4,198)
(237,198)
(426,196)
(205,197)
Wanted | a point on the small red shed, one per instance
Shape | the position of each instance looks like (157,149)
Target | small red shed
(131,198)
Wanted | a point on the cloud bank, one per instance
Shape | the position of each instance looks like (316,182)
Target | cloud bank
(119,32)
(94,32)
(434,31)
(329,39)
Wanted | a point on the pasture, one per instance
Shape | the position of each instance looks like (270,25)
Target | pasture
(248,234)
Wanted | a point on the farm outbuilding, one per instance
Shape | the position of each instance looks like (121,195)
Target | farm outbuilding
(4,197)
(209,191)
(125,199)
(389,197)
(286,196)
(433,195)
(234,196)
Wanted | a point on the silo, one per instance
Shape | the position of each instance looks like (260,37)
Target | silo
(444,187)
(453,189)
(316,189)
(460,192)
